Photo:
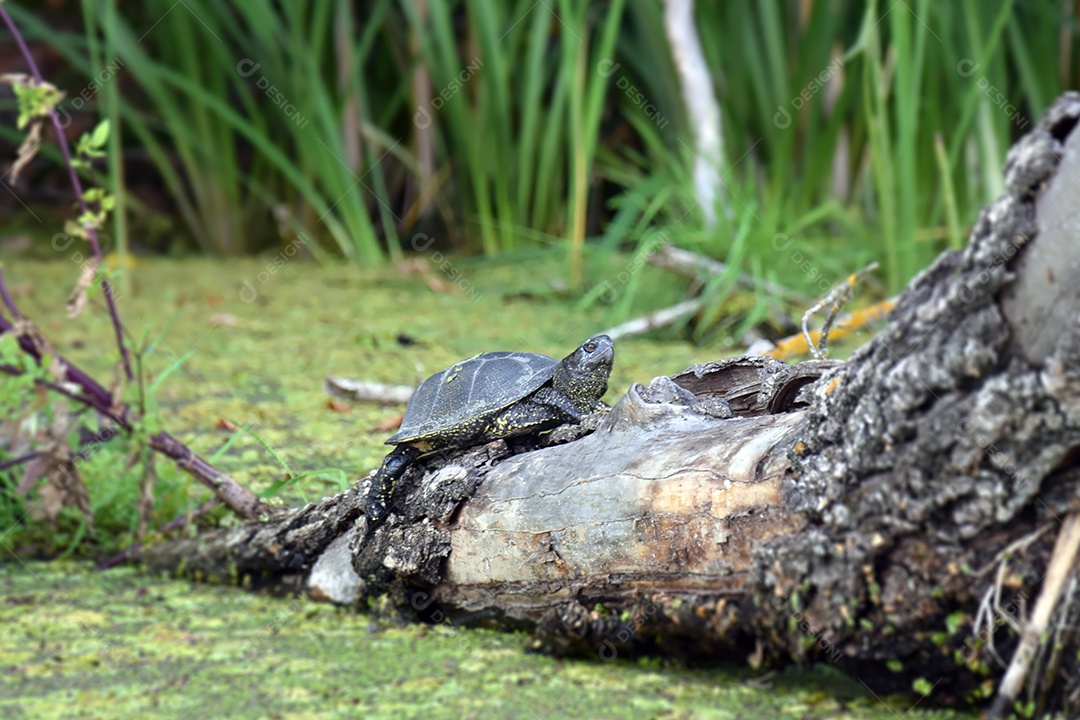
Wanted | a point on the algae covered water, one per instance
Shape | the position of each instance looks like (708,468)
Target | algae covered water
(242,346)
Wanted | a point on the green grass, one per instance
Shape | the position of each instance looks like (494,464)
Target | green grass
(875,131)
(111,472)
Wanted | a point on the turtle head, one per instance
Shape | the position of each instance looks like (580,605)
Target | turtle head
(582,376)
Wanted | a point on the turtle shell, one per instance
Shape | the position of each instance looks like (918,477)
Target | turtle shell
(456,398)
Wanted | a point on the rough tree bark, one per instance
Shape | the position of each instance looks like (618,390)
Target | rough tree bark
(901,507)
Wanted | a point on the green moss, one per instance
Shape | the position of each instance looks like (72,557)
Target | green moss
(123,644)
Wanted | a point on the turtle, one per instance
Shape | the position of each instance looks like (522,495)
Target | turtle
(491,396)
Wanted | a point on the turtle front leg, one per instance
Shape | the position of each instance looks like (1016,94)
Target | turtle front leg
(382,485)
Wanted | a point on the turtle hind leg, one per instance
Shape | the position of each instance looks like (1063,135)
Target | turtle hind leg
(382,485)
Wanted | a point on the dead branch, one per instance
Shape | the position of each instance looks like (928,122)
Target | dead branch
(362,391)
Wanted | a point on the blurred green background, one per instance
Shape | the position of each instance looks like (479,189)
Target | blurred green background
(852,131)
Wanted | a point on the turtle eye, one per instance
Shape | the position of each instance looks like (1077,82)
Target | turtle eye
(590,346)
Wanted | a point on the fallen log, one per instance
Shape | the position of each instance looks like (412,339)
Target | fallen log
(894,514)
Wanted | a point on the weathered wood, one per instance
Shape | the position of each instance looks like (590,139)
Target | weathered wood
(938,445)
(363,391)
(590,515)
(281,548)
(898,507)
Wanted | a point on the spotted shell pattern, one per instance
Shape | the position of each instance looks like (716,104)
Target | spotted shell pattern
(470,392)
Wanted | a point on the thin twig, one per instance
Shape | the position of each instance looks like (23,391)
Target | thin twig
(658,319)
(695,265)
(6,297)
(796,345)
(176,524)
(233,494)
(18,461)
(95,439)
(1014,547)
(1062,565)
(363,391)
(76,185)
(834,301)
(90,402)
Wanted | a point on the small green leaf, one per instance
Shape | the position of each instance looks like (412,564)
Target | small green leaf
(34,101)
(100,135)
(954,621)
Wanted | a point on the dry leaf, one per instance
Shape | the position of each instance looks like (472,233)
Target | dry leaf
(392,424)
(27,150)
(52,502)
(337,406)
(223,424)
(58,369)
(79,298)
(34,470)
(421,267)
(227,319)
(16,244)
(27,329)
(65,485)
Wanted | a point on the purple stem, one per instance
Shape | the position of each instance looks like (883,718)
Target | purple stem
(18,461)
(91,233)
(6,297)
(84,454)
(236,496)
